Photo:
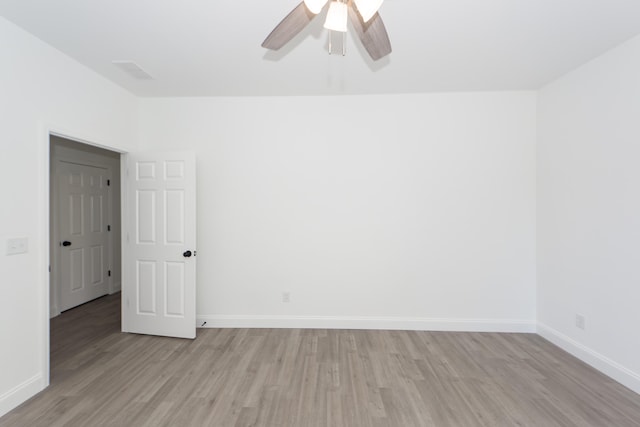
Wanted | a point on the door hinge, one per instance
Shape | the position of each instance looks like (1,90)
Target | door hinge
(109,273)
(108,183)
(108,228)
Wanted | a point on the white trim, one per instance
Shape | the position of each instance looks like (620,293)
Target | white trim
(53,312)
(44,261)
(598,361)
(351,322)
(124,237)
(116,287)
(29,388)
(20,393)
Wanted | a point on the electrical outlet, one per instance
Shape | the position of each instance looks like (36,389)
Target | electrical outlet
(286,297)
(580,321)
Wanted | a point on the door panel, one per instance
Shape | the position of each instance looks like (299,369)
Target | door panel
(158,280)
(97,264)
(146,216)
(97,221)
(76,270)
(174,214)
(174,288)
(76,208)
(82,212)
(146,287)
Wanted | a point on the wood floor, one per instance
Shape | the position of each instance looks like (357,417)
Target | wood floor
(267,377)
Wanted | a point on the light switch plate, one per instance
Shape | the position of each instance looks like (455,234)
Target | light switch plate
(17,246)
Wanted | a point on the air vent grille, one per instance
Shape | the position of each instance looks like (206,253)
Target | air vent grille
(133,69)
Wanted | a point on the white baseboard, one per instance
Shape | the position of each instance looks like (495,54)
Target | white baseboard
(602,363)
(115,287)
(53,312)
(21,393)
(383,323)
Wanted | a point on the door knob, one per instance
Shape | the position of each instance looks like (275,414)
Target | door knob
(66,243)
(187,254)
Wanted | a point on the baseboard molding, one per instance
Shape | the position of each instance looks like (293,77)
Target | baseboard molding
(115,287)
(598,361)
(21,393)
(53,312)
(382,323)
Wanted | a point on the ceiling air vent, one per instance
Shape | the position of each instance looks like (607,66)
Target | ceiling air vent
(133,69)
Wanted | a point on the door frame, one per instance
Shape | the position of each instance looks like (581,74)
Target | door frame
(54,259)
(45,131)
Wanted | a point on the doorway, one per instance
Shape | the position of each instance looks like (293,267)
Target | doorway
(85,244)
(84,249)
(172,221)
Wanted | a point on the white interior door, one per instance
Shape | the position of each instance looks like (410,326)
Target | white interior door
(82,204)
(159,244)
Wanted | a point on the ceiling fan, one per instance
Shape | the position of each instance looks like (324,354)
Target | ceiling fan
(363,15)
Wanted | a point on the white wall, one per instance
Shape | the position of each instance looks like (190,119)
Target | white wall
(408,211)
(589,212)
(40,88)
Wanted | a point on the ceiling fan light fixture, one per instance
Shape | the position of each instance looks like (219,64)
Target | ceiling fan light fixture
(368,8)
(315,6)
(337,17)
(373,34)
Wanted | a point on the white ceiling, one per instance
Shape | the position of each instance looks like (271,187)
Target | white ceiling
(212,48)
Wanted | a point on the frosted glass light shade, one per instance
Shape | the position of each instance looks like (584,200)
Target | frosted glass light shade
(337,17)
(368,8)
(315,6)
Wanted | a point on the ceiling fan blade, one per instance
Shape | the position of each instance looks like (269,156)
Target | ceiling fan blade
(287,29)
(373,34)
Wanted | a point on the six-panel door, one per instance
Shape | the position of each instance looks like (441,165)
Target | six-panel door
(82,204)
(159,279)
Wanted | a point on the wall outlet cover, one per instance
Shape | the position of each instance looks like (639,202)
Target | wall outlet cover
(580,321)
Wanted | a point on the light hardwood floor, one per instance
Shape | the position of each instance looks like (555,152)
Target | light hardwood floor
(293,377)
